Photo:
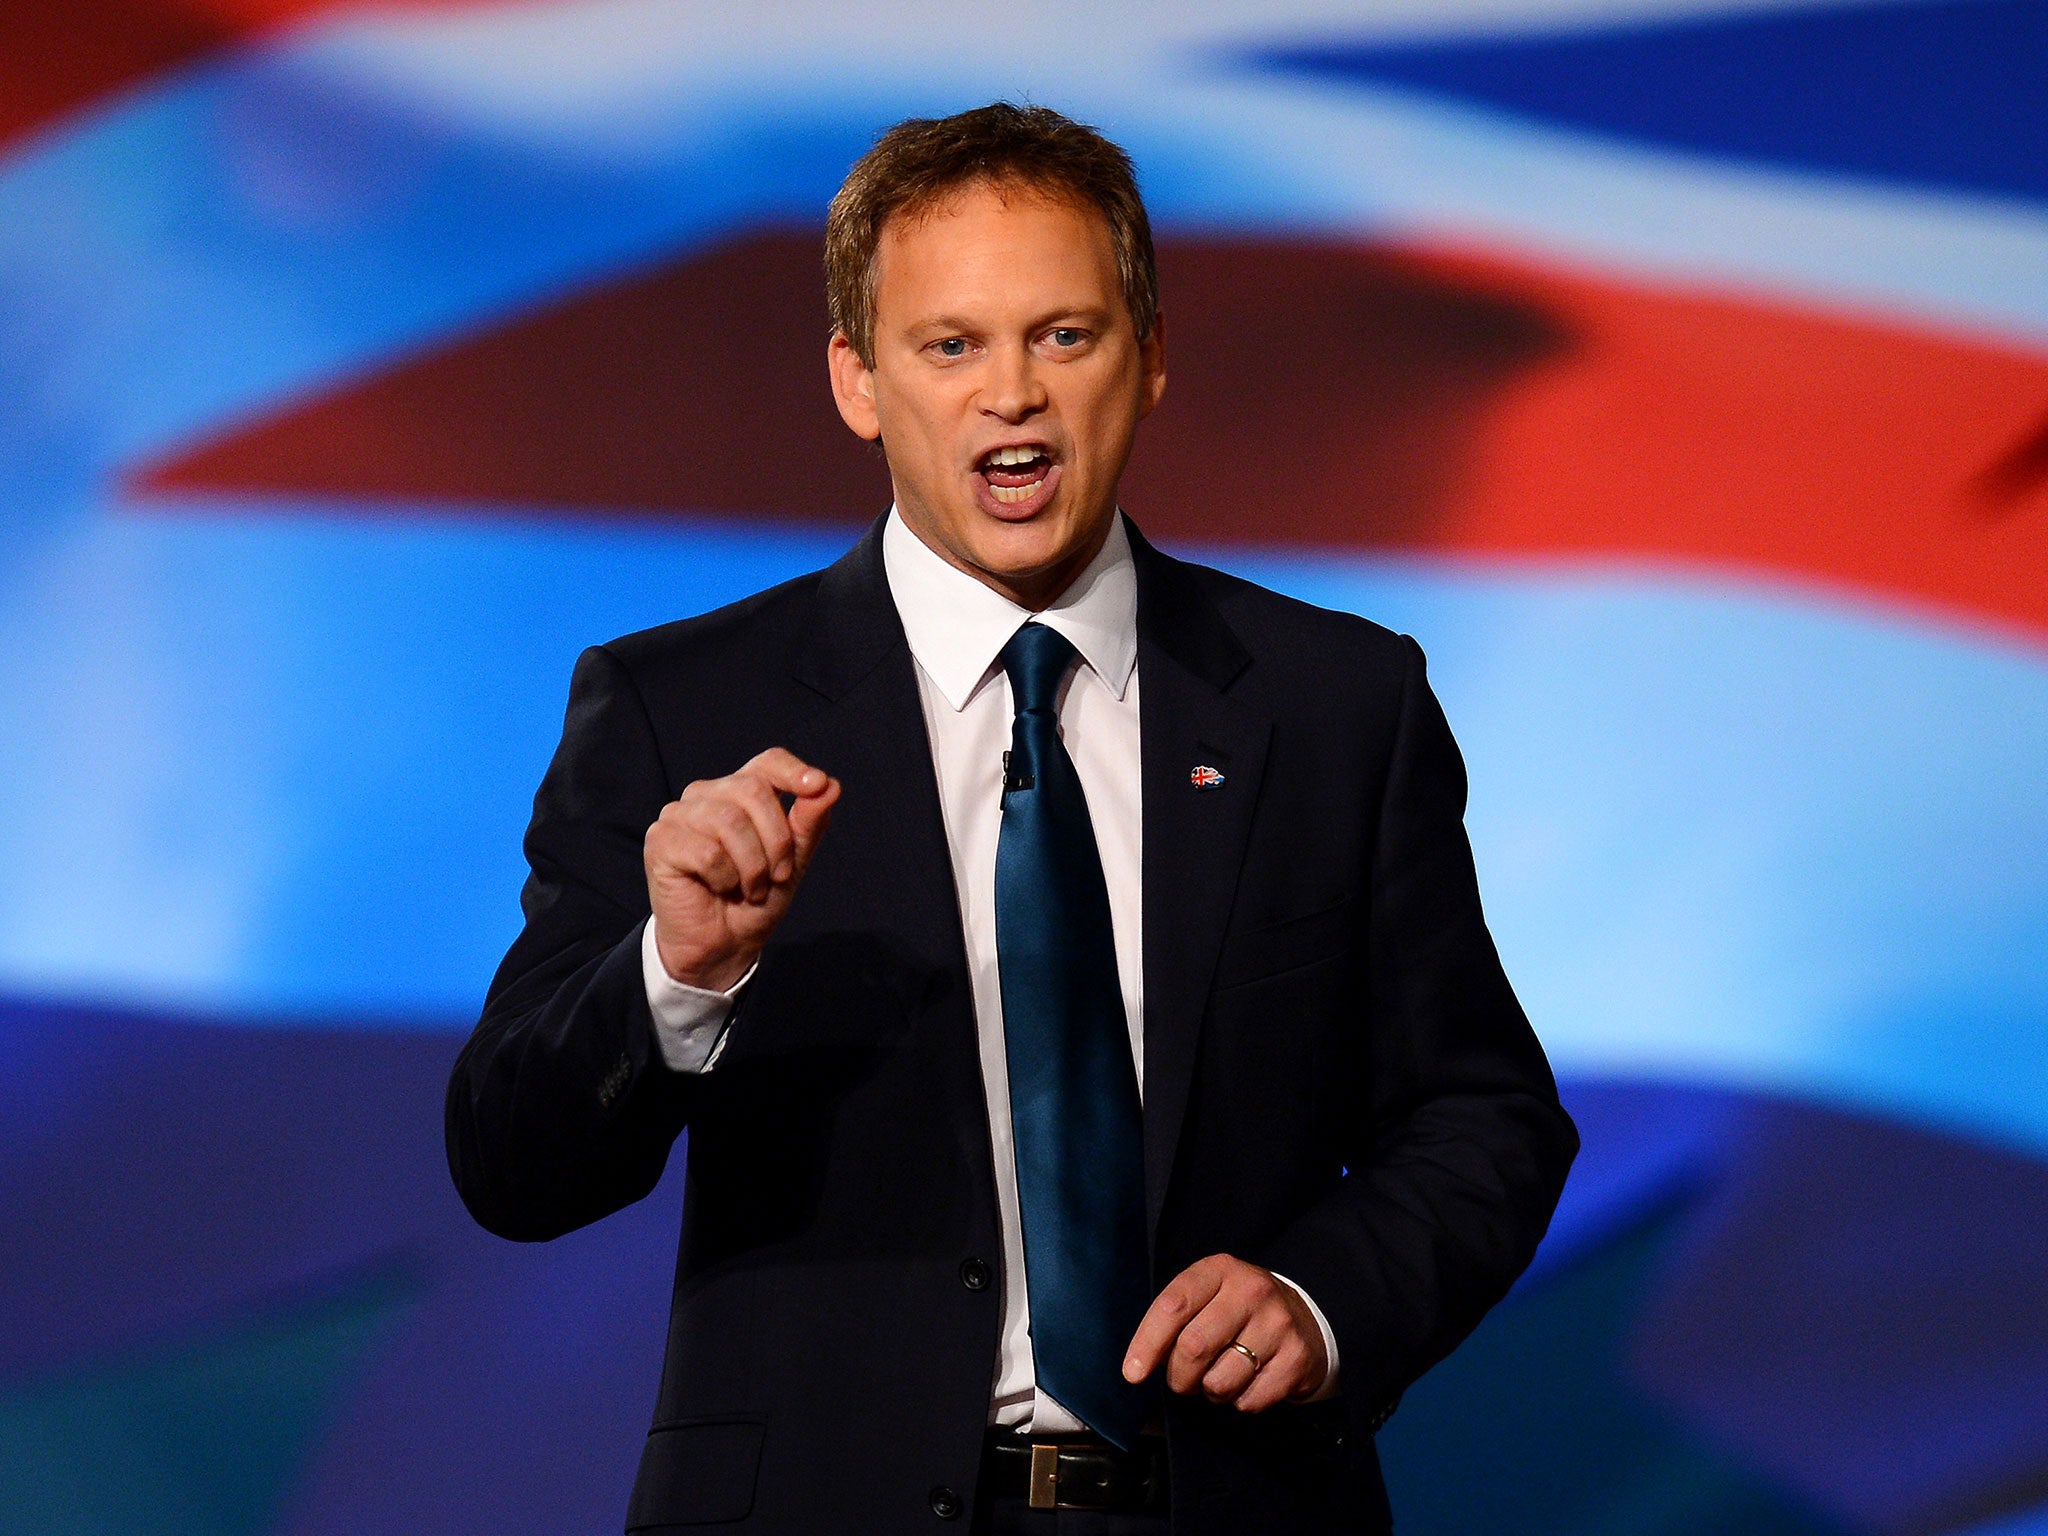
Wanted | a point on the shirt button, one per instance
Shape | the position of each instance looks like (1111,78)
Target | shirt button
(945,1503)
(976,1275)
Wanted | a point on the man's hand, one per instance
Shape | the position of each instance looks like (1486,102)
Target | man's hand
(1220,1301)
(724,860)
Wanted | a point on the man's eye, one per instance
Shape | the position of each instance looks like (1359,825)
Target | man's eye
(1066,336)
(952,346)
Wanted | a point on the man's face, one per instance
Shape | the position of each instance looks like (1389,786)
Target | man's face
(1008,383)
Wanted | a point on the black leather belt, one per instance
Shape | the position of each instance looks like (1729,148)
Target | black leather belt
(1073,1472)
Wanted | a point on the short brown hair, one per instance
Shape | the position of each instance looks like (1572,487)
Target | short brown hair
(917,163)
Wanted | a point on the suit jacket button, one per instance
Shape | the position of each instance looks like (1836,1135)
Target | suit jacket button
(976,1275)
(945,1503)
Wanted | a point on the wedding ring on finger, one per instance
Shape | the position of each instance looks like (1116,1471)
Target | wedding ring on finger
(1248,1352)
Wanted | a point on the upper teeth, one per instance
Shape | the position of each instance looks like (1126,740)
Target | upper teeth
(1013,456)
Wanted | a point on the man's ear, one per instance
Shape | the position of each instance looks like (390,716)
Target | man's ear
(1152,364)
(853,387)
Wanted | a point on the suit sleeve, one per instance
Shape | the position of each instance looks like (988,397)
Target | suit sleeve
(560,1109)
(1461,1159)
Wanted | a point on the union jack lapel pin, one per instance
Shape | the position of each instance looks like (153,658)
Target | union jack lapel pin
(1205,777)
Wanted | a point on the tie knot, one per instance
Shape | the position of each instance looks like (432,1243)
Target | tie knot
(1037,659)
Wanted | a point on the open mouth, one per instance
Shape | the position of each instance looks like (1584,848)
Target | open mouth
(1015,474)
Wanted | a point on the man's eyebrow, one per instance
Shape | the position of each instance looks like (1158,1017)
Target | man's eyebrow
(951,325)
(954,325)
(1092,313)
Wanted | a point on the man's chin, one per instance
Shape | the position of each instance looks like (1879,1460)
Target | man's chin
(1025,544)
(1014,555)
(1028,558)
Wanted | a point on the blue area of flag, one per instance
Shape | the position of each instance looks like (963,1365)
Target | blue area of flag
(1943,94)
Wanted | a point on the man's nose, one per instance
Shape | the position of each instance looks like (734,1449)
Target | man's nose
(1015,391)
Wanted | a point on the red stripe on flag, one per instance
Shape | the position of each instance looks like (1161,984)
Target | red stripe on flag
(1320,394)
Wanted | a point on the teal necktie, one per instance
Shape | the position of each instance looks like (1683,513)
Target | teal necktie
(1073,1090)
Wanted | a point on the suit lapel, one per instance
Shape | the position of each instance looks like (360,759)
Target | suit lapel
(1194,839)
(870,733)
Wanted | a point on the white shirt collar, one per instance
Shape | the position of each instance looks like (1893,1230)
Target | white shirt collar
(957,625)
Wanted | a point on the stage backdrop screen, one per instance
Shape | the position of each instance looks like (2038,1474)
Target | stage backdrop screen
(1675,371)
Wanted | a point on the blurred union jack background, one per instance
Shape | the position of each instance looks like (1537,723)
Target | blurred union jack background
(1675,370)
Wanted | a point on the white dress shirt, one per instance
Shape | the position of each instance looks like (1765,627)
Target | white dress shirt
(957,627)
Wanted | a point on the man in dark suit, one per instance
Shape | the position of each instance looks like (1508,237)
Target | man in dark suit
(1103,1094)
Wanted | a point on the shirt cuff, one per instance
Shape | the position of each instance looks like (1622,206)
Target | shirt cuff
(689,1022)
(1329,1386)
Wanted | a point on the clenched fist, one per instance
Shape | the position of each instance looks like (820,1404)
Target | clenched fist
(724,860)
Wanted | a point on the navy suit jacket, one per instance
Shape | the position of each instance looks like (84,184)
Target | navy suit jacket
(1339,1083)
